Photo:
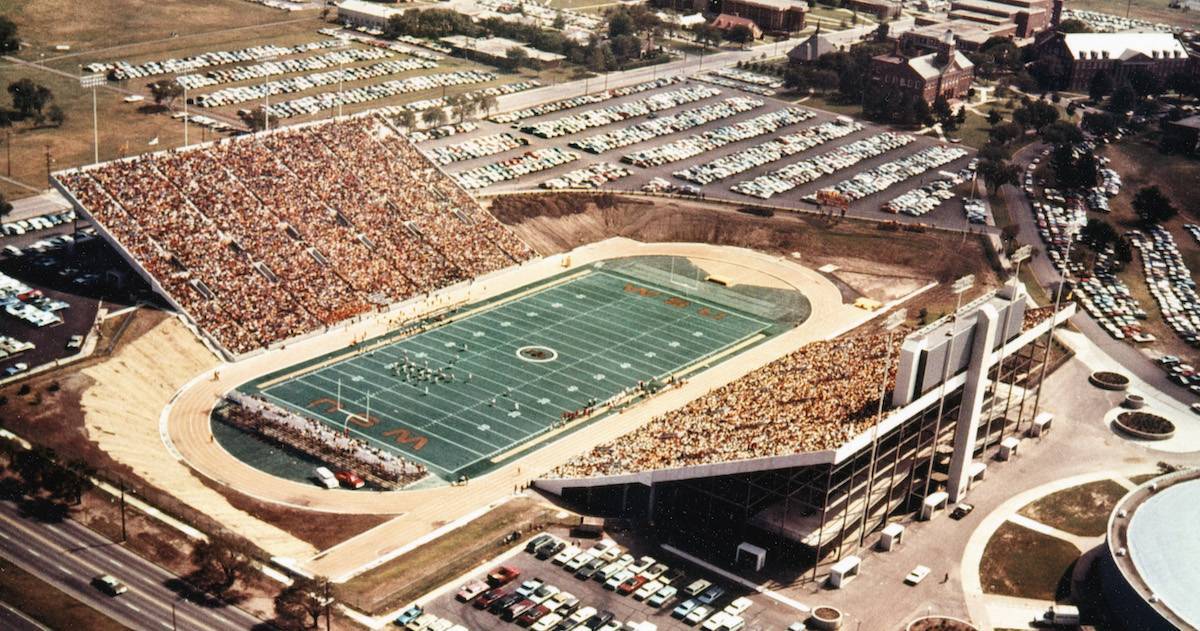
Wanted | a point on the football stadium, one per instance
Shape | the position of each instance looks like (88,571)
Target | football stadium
(373,317)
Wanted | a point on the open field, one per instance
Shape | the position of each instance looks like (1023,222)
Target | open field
(103,24)
(1020,562)
(47,604)
(399,581)
(1082,510)
(1150,10)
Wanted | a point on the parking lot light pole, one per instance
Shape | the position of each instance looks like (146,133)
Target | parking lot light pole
(185,116)
(267,93)
(960,286)
(93,81)
(340,46)
(893,322)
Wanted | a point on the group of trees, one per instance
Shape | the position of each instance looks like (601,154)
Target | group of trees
(628,34)
(1138,87)
(8,36)
(31,101)
(44,477)
(1152,206)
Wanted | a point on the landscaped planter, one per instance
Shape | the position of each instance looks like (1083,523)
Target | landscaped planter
(1135,401)
(940,623)
(826,618)
(1109,380)
(1145,425)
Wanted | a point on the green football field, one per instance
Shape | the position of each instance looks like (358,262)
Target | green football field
(470,393)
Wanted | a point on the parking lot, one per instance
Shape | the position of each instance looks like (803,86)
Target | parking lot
(760,612)
(685,126)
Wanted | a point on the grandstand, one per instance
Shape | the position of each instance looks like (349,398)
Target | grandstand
(800,457)
(264,238)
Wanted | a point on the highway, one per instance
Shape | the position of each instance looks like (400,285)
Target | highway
(68,555)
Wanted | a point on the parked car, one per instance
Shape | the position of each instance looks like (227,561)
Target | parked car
(528,587)
(684,608)
(349,479)
(647,590)
(961,510)
(486,599)
(502,575)
(470,590)
(699,613)
(506,601)
(325,478)
(547,622)
(712,594)
(408,615)
(631,585)
(917,575)
(697,587)
(537,541)
(659,598)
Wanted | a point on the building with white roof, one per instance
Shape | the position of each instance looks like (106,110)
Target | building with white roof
(1083,55)
(365,14)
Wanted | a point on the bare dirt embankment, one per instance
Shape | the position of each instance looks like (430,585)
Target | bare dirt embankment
(874,259)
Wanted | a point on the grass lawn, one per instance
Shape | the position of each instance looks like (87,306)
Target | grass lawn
(828,104)
(1020,562)
(47,604)
(1081,510)
(395,583)
(1151,10)
(88,26)
(1143,478)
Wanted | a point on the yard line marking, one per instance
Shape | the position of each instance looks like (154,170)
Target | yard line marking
(131,606)
(63,569)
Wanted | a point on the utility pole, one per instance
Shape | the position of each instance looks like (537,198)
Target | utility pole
(8,147)
(93,81)
(48,161)
(267,93)
(185,116)
(340,46)
(123,533)
(327,605)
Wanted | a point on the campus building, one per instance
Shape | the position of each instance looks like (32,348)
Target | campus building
(964,388)
(1083,55)
(1028,17)
(947,73)
(365,14)
(771,16)
(1150,566)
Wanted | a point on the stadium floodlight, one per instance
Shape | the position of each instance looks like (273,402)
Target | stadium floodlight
(267,91)
(1020,255)
(893,322)
(341,44)
(960,287)
(93,81)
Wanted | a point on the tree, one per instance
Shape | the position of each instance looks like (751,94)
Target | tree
(29,98)
(740,34)
(1035,114)
(5,206)
(256,118)
(1061,132)
(489,102)
(620,23)
(435,116)
(1123,99)
(1074,26)
(1152,206)
(707,35)
(1145,83)
(220,563)
(165,92)
(994,117)
(997,173)
(941,108)
(56,115)
(1074,168)
(516,56)
(1100,86)
(300,605)
(1098,234)
(1005,133)
(8,36)
(1099,123)
(408,119)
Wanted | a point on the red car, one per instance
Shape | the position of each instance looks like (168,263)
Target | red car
(503,575)
(532,616)
(349,479)
(471,590)
(486,599)
(631,585)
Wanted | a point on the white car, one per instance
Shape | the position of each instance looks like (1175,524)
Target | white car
(738,606)
(645,591)
(617,579)
(579,561)
(567,554)
(917,575)
(546,622)
(698,614)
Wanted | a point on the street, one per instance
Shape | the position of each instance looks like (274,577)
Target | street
(68,555)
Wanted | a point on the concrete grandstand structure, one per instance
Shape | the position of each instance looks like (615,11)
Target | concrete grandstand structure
(821,485)
(1148,566)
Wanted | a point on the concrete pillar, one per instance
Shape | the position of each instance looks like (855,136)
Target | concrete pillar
(967,427)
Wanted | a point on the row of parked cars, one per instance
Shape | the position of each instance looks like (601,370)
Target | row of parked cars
(34,224)
(542,606)
(233,95)
(592,176)
(1097,290)
(364,94)
(443,131)
(768,152)
(736,85)
(713,139)
(802,172)
(552,107)
(891,173)
(745,76)
(121,70)
(515,167)
(266,69)
(477,147)
(601,116)
(666,125)
(923,200)
(1170,282)
(421,105)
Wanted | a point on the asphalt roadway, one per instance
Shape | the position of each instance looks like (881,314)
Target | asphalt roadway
(68,555)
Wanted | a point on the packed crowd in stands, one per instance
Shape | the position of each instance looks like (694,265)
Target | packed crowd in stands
(813,399)
(267,237)
(317,439)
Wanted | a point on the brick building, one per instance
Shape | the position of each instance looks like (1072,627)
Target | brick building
(946,72)
(772,16)
(1082,55)
(1029,17)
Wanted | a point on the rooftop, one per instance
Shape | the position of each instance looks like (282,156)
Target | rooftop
(781,5)
(1123,45)
(498,47)
(369,8)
